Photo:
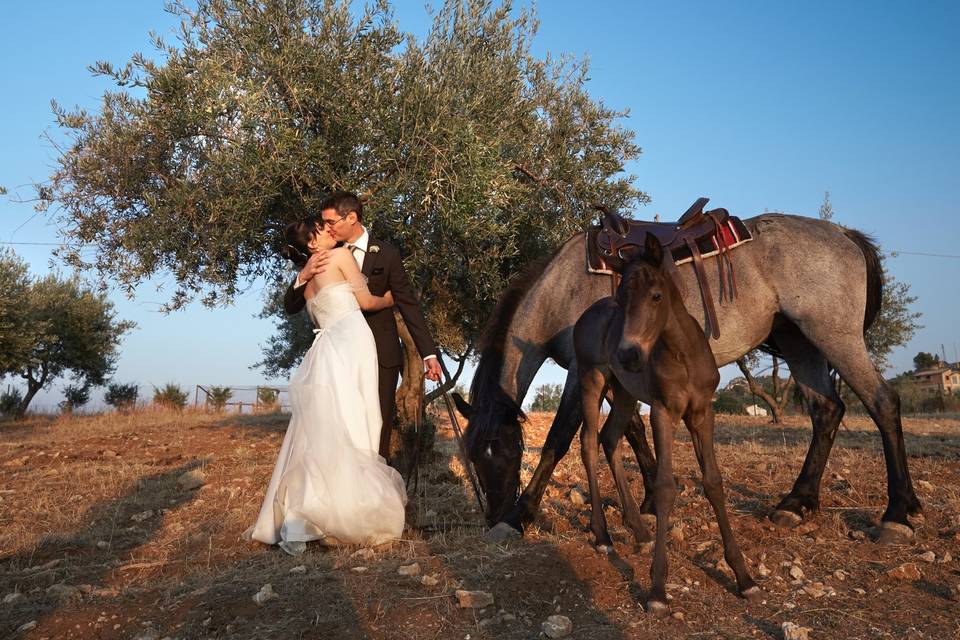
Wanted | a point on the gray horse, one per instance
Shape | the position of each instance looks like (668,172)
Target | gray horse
(807,288)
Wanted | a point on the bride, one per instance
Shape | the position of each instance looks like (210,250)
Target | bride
(329,482)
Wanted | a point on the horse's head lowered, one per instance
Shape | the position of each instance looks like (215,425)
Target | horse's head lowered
(646,296)
(494,442)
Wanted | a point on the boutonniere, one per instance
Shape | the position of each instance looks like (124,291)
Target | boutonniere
(373,248)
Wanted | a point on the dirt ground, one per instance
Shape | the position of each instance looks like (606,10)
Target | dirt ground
(99,538)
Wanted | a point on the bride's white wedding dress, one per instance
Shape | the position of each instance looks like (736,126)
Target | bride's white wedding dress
(329,482)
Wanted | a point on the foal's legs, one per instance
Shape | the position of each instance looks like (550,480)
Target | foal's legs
(665,491)
(592,385)
(810,370)
(700,424)
(621,413)
(648,464)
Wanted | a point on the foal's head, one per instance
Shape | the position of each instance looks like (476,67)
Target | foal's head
(645,295)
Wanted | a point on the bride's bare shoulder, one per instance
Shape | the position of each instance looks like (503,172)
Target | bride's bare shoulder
(340,253)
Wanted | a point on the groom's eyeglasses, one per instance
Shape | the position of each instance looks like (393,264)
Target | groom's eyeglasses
(330,223)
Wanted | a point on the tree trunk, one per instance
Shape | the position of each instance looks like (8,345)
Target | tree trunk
(410,407)
(759,391)
(785,398)
(32,388)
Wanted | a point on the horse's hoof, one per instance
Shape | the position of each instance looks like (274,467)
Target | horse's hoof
(894,533)
(785,519)
(501,532)
(657,609)
(753,594)
(605,549)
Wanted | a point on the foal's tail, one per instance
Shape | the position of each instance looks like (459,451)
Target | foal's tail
(871,253)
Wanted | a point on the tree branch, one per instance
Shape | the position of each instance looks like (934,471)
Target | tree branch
(451,381)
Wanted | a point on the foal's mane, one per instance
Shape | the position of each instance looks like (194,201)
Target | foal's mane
(491,404)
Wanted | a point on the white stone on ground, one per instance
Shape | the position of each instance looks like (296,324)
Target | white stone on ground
(557,626)
(792,631)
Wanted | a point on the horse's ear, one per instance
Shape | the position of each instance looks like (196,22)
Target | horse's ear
(462,406)
(653,250)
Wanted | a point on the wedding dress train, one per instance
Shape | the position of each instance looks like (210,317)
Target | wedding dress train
(329,482)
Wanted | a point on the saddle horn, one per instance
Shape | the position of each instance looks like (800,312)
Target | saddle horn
(695,210)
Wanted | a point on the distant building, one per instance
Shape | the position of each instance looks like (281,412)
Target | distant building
(754,410)
(942,380)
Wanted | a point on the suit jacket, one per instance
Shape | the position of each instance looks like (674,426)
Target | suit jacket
(385,272)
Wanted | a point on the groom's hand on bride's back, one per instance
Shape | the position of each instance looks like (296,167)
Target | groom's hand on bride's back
(317,264)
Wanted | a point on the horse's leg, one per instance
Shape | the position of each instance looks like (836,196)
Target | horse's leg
(810,370)
(621,417)
(592,385)
(665,491)
(648,464)
(700,424)
(848,353)
(566,422)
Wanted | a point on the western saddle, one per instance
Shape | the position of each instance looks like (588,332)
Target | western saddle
(618,239)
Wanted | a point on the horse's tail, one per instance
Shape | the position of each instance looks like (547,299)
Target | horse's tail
(871,253)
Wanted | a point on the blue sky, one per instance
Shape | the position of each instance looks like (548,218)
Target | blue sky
(757,105)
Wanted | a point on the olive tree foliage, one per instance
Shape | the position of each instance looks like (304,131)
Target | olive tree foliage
(473,155)
(53,327)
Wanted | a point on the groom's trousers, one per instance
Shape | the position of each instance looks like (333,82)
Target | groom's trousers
(388,406)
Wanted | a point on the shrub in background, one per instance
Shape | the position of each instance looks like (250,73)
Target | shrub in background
(170,395)
(219,397)
(74,397)
(10,401)
(121,396)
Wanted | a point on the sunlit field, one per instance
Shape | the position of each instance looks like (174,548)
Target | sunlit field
(123,526)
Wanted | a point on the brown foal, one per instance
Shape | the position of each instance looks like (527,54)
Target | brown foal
(643,345)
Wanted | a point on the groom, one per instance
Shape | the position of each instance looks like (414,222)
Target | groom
(341,215)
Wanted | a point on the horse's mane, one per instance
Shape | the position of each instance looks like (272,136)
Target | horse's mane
(492,406)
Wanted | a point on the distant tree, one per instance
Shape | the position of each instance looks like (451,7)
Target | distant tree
(896,323)
(57,327)
(547,397)
(121,396)
(923,361)
(14,299)
(74,397)
(170,395)
(218,397)
(826,209)
(777,395)
(728,401)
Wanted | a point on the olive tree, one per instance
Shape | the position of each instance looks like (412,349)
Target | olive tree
(473,155)
(54,327)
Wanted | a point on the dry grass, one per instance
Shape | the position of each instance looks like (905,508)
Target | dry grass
(76,515)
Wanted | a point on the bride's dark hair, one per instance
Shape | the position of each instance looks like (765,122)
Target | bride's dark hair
(296,235)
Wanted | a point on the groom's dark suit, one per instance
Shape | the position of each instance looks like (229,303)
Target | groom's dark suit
(385,272)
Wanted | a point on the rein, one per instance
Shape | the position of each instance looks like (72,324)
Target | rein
(464,459)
